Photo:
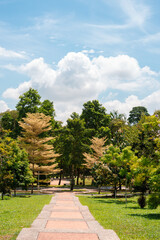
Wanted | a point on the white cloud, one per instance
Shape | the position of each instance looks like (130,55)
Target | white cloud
(3,106)
(11,54)
(151,102)
(78,79)
(14,93)
(137,12)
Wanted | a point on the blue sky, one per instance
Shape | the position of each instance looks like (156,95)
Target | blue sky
(73,51)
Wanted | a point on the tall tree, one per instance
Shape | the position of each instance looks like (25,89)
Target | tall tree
(136,113)
(29,102)
(47,108)
(40,152)
(94,163)
(96,118)
(77,138)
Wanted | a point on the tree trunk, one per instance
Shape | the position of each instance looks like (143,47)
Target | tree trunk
(60,178)
(14,192)
(33,177)
(72,179)
(78,176)
(38,181)
(83,178)
(115,191)
(126,192)
(99,189)
(120,185)
(2,195)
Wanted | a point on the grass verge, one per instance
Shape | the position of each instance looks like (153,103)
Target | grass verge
(129,222)
(19,212)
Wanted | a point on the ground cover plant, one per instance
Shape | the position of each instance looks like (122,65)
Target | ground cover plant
(19,212)
(129,222)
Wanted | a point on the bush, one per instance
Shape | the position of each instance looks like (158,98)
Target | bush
(153,201)
(142,201)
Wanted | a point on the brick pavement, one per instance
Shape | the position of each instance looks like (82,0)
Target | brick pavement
(66,219)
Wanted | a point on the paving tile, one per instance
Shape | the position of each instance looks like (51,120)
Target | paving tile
(68,203)
(67,236)
(69,215)
(59,224)
(65,207)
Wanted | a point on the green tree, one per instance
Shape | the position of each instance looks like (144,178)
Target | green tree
(136,113)
(29,102)
(77,139)
(96,118)
(14,166)
(47,108)
(9,121)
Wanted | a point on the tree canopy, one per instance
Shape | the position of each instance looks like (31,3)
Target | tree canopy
(136,113)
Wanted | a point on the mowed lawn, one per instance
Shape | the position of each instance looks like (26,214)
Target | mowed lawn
(129,222)
(19,212)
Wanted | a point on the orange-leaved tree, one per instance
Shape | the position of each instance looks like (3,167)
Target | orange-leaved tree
(94,162)
(41,154)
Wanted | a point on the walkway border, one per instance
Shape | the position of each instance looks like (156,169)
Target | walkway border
(39,224)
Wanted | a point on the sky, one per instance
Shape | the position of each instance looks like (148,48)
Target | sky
(74,51)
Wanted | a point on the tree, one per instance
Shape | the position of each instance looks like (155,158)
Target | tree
(9,121)
(115,115)
(29,102)
(47,108)
(14,166)
(96,118)
(136,113)
(94,163)
(40,152)
(77,138)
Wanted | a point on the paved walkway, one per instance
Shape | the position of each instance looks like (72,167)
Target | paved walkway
(66,219)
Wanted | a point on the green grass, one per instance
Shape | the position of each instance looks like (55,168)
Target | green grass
(129,222)
(19,212)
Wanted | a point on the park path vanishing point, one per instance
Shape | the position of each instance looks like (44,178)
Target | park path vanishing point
(66,219)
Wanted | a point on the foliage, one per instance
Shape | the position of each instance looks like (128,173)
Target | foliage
(77,139)
(40,152)
(117,128)
(142,201)
(153,201)
(14,166)
(136,113)
(96,118)
(94,163)
(47,108)
(9,121)
(29,102)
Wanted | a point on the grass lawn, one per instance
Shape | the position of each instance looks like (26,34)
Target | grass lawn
(19,212)
(129,222)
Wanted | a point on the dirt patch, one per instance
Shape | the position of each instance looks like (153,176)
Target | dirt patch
(6,237)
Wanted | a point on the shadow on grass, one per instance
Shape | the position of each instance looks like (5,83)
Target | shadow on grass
(149,215)
(115,201)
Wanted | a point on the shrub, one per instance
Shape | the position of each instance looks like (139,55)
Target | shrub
(142,201)
(153,201)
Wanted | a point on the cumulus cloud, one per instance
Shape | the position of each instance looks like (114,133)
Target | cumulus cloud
(3,106)
(10,54)
(14,93)
(151,102)
(77,79)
